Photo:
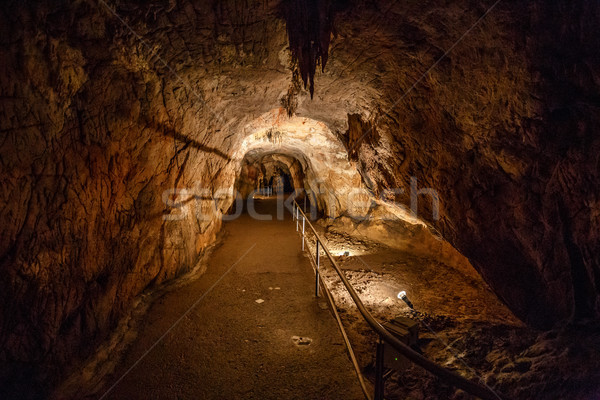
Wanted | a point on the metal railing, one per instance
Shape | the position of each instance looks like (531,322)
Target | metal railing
(384,335)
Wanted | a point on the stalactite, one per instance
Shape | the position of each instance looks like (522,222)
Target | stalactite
(309,27)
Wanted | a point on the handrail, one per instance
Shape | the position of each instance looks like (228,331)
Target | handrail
(338,320)
(441,372)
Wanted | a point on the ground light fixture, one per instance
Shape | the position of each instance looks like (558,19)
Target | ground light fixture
(402,296)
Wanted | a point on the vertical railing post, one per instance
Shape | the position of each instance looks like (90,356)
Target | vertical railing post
(318,258)
(303,221)
(379,382)
(297,222)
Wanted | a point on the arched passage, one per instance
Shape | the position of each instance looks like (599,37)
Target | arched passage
(328,176)
(280,172)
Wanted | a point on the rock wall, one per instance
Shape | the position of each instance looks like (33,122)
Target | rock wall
(504,128)
(97,137)
(104,115)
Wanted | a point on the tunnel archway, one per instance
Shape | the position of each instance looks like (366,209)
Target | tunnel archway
(280,172)
(329,177)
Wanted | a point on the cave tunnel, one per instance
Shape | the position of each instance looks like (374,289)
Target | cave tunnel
(292,199)
(279,171)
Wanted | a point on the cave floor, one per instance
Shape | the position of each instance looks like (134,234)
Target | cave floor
(238,341)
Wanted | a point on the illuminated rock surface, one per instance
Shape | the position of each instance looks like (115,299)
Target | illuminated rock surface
(98,125)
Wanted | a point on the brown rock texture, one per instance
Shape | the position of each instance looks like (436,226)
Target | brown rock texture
(103,116)
(504,128)
(259,168)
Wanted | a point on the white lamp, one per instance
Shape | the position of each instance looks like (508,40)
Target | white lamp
(402,296)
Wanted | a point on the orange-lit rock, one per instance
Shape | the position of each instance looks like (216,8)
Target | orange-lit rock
(96,126)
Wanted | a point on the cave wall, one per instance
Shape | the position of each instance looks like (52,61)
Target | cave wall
(505,129)
(97,124)
(97,131)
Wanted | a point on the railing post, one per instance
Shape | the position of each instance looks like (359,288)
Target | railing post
(379,382)
(303,221)
(318,258)
(297,222)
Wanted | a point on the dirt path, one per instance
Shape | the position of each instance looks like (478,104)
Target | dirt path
(234,346)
